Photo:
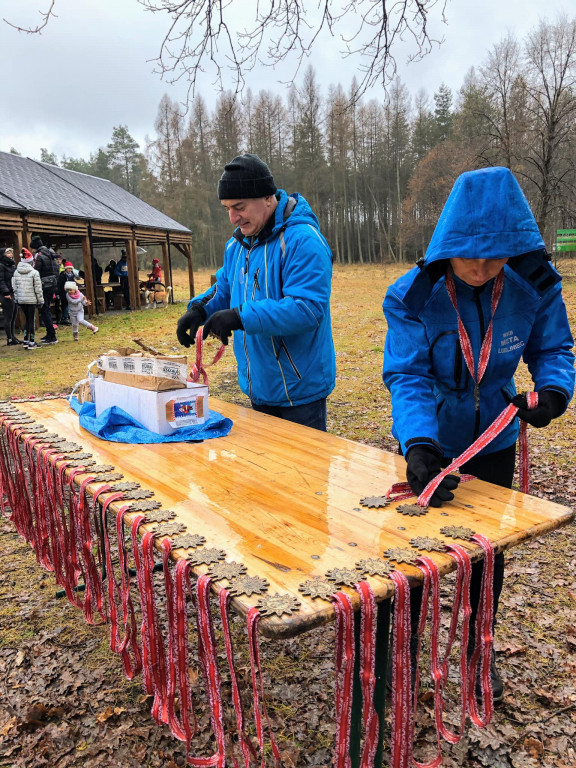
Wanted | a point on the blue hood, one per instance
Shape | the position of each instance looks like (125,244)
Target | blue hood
(486,216)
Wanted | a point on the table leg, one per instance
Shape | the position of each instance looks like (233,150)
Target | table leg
(381,665)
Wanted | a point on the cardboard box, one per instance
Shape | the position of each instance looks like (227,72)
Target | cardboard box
(136,369)
(160,412)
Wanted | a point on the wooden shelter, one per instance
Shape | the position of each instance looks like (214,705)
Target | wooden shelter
(73,210)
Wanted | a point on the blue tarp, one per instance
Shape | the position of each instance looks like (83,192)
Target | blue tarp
(117,426)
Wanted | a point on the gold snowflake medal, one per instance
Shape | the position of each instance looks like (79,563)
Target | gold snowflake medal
(400,555)
(138,493)
(428,543)
(205,555)
(36,429)
(374,566)
(102,468)
(277,604)
(375,502)
(412,510)
(317,589)
(105,477)
(143,505)
(52,437)
(169,529)
(127,485)
(227,571)
(75,462)
(67,447)
(188,541)
(346,577)
(248,585)
(81,455)
(159,516)
(457,532)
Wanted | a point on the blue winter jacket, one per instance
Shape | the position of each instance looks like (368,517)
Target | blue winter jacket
(485,217)
(281,287)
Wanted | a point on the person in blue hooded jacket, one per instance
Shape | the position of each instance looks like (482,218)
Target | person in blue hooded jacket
(487,265)
(273,294)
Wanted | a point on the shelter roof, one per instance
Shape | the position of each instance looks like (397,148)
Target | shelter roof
(32,186)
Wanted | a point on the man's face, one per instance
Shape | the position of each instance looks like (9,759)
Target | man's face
(250,214)
(476,272)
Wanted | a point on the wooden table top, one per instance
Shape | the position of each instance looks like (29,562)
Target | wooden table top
(284,500)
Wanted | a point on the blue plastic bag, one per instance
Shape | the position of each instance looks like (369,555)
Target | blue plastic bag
(117,426)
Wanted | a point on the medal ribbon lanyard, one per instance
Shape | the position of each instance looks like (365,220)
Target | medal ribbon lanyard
(465,342)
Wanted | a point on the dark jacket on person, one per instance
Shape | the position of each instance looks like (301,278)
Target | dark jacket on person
(64,277)
(46,265)
(7,269)
(433,394)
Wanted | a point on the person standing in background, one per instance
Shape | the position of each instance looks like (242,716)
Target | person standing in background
(28,294)
(9,307)
(48,268)
(122,275)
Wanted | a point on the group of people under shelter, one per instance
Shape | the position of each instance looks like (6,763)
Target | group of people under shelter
(484,297)
(118,272)
(44,281)
(32,285)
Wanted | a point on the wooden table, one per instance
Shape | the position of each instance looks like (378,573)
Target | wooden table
(285,500)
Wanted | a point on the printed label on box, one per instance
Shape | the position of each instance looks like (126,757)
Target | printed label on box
(145,366)
(185,412)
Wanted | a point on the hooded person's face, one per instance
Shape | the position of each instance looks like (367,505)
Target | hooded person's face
(477,272)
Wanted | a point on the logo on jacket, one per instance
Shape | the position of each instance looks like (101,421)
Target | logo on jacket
(509,343)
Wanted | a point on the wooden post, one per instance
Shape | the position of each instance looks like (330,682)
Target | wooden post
(166,266)
(188,253)
(19,238)
(88,276)
(133,279)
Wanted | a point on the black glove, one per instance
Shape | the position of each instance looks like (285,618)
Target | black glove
(551,404)
(222,323)
(189,323)
(422,465)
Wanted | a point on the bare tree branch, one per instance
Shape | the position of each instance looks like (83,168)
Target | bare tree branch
(47,15)
(234,37)
(280,32)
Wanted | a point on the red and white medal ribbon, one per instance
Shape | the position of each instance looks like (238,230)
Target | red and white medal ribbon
(401,727)
(253,620)
(344,654)
(483,640)
(367,672)
(198,368)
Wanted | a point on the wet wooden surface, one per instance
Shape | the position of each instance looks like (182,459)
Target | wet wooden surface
(285,501)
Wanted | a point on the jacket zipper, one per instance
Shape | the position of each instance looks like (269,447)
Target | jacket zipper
(288,355)
(478,303)
(255,284)
(246,265)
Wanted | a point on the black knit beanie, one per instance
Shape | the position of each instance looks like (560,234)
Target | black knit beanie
(246,176)
(36,242)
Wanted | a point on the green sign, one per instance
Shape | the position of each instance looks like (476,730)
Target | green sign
(565,247)
(565,241)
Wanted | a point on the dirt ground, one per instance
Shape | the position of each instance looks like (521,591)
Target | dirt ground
(64,701)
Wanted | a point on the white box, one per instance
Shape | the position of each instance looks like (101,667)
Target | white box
(160,412)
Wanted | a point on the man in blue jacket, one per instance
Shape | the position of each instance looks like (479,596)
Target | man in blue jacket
(273,294)
(487,266)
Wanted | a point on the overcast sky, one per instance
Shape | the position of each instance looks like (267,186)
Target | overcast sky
(91,68)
